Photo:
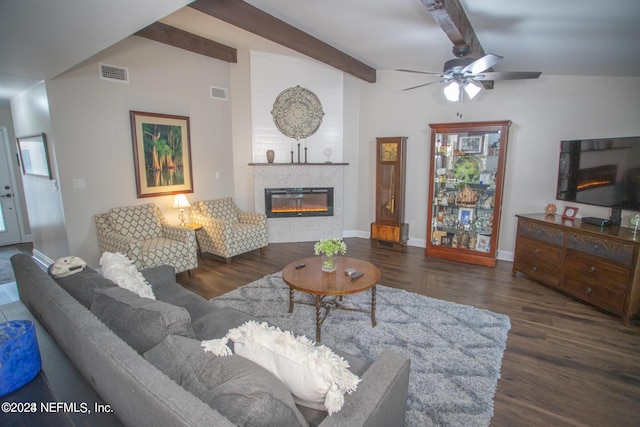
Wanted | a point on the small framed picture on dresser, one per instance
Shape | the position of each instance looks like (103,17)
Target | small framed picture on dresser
(569,212)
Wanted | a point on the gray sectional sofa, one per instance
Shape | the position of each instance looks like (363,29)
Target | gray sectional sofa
(143,357)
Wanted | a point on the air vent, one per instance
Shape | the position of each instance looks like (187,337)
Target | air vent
(114,73)
(219,93)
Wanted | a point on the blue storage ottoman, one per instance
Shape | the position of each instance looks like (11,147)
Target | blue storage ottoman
(19,355)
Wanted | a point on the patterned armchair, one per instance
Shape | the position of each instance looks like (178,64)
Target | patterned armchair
(144,236)
(226,230)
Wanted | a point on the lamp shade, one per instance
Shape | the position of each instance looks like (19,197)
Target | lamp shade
(472,89)
(181,202)
(452,91)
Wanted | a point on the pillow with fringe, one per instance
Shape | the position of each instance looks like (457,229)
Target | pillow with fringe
(316,376)
(123,272)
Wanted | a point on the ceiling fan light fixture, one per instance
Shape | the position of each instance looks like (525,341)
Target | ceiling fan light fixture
(452,91)
(472,89)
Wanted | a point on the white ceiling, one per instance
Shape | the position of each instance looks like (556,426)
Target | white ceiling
(40,39)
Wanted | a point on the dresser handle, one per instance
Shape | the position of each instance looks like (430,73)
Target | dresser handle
(592,269)
(534,269)
(589,291)
(595,248)
(537,252)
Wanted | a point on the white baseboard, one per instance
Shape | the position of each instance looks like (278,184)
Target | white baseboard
(505,256)
(42,259)
(420,243)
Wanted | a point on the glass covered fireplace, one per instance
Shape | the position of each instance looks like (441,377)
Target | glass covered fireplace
(298,202)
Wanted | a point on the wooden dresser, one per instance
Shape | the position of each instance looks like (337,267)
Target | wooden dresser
(599,266)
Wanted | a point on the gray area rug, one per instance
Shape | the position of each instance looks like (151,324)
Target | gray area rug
(455,350)
(6,272)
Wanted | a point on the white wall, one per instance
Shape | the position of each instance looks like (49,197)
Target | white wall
(91,123)
(270,75)
(92,140)
(543,112)
(30,110)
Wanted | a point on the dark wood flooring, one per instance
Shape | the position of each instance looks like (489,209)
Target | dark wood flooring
(566,363)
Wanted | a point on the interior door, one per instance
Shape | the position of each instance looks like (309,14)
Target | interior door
(9,226)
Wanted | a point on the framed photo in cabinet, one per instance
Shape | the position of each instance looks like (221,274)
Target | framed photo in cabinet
(471,144)
(465,216)
(484,243)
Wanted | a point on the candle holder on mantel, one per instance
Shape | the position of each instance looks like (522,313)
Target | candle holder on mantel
(305,154)
(298,152)
(291,156)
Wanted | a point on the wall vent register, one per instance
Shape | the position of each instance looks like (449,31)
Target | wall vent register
(114,73)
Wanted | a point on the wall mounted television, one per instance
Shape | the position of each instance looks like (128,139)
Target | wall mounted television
(602,172)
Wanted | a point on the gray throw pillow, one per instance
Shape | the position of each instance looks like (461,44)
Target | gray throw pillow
(140,322)
(216,324)
(240,390)
(83,285)
(176,294)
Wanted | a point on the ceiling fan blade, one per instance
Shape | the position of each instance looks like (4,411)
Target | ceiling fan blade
(426,84)
(508,75)
(481,64)
(420,72)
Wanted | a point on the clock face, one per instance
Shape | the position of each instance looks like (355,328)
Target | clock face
(389,152)
(570,212)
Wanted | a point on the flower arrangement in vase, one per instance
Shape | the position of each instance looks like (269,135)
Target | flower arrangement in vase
(329,249)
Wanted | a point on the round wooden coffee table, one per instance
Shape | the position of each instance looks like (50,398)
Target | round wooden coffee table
(329,288)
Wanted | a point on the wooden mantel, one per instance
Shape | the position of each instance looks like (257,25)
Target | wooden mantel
(299,164)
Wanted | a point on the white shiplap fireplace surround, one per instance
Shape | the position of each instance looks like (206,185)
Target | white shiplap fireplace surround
(287,175)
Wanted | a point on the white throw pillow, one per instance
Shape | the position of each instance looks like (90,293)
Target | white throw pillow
(315,375)
(123,272)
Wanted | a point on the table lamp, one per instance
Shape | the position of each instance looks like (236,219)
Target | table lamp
(181,202)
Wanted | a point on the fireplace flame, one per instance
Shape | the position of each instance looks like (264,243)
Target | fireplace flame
(289,210)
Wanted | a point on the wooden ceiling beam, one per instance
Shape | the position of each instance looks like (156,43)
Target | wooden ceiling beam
(453,20)
(176,37)
(254,20)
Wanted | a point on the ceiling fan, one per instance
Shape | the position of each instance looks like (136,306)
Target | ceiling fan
(460,73)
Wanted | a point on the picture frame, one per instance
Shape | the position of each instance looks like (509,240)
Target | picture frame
(471,144)
(34,155)
(446,240)
(437,236)
(465,216)
(161,154)
(570,212)
(483,243)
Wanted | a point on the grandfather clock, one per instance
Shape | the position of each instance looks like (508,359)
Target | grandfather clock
(389,229)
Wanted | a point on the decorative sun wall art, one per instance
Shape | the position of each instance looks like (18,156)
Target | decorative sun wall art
(297,112)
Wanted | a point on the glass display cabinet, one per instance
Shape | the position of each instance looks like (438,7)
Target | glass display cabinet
(465,190)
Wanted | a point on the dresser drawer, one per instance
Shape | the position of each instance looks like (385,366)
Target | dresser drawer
(605,248)
(538,260)
(541,232)
(594,280)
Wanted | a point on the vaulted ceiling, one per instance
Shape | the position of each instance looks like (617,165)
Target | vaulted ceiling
(40,39)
